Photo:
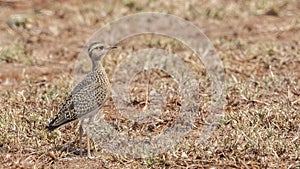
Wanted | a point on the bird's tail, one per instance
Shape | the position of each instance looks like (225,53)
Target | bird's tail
(51,128)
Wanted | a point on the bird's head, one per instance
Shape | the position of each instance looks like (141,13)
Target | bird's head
(97,50)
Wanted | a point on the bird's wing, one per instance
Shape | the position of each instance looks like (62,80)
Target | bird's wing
(83,99)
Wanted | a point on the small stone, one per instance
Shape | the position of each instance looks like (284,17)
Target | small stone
(184,155)
(150,128)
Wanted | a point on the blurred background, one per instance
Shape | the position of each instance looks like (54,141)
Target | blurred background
(258,42)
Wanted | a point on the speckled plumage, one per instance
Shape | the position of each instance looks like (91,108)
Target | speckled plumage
(89,95)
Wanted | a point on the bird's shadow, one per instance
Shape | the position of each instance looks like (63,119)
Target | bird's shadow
(70,149)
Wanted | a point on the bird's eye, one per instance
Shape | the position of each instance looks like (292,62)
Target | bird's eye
(100,47)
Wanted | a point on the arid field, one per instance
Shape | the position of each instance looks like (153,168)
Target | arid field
(257,42)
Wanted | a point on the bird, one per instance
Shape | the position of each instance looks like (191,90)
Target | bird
(88,96)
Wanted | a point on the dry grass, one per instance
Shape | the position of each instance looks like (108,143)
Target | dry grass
(258,42)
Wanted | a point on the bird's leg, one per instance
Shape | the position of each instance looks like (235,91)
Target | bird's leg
(88,146)
(80,138)
(91,118)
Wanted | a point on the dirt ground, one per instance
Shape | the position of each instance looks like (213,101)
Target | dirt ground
(257,41)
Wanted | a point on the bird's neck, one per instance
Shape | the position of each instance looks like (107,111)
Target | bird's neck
(97,65)
(98,68)
(99,72)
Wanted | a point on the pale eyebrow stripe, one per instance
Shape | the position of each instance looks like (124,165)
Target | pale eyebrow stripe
(94,46)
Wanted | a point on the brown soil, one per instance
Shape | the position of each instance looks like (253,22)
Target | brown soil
(258,42)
